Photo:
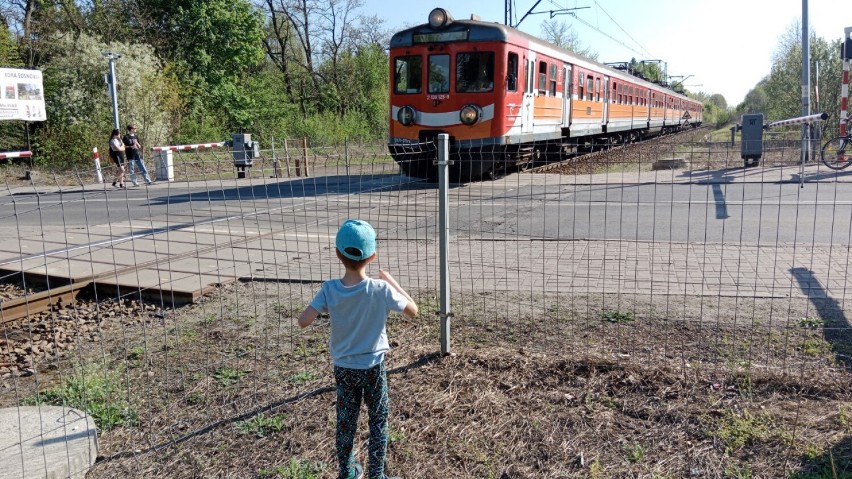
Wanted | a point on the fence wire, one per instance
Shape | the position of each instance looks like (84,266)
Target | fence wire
(170,306)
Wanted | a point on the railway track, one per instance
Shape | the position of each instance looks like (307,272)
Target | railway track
(588,162)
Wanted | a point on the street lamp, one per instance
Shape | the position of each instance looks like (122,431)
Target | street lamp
(112,57)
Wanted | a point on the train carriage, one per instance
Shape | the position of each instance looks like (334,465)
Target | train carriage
(502,95)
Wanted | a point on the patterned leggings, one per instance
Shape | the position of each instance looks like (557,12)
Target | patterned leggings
(352,385)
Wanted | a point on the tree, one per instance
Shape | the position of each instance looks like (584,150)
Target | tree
(559,33)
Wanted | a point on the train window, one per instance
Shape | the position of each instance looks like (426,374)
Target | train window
(580,86)
(439,73)
(512,72)
(475,72)
(597,89)
(542,76)
(552,79)
(590,87)
(408,74)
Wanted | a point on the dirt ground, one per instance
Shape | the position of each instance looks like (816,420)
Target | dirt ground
(229,388)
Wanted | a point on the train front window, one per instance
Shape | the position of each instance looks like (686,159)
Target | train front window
(408,74)
(439,73)
(475,72)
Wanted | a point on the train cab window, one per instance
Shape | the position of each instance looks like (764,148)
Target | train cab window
(408,74)
(474,72)
(439,73)
(512,72)
(552,79)
(542,76)
(590,88)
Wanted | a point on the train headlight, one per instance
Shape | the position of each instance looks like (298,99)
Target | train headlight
(439,18)
(470,114)
(405,115)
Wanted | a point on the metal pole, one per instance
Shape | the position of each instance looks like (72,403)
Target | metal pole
(346,154)
(444,233)
(806,81)
(112,57)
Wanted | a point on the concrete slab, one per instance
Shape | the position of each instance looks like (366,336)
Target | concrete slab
(162,285)
(64,268)
(159,244)
(208,266)
(46,442)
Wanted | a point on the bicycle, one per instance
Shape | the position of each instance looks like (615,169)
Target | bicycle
(836,153)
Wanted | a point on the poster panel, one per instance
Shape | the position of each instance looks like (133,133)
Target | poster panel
(21,95)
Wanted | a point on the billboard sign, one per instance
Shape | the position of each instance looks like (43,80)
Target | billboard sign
(21,95)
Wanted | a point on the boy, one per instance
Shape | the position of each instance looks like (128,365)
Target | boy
(358,307)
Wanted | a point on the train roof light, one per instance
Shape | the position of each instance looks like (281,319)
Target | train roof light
(439,18)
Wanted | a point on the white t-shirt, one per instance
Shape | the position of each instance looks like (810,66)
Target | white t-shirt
(116,144)
(358,314)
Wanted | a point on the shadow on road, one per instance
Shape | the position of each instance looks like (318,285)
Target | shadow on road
(836,329)
(301,188)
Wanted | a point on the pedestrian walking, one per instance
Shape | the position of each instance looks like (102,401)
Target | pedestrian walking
(119,157)
(358,307)
(134,156)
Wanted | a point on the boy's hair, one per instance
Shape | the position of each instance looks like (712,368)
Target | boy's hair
(351,263)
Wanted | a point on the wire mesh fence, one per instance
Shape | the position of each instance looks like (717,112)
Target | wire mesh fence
(660,291)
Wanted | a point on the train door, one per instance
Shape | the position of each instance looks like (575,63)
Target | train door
(567,90)
(605,101)
(529,88)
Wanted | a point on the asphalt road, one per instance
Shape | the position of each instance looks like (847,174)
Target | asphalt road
(521,205)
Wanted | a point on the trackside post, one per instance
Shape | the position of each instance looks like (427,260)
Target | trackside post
(444,310)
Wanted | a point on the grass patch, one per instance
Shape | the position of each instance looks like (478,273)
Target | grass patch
(811,323)
(737,431)
(615,316)
(295,469)
(301,378)
(262,425)
(97,392)
(227,376)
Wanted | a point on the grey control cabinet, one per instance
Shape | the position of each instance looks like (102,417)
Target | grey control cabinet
(752,139)
(244,151)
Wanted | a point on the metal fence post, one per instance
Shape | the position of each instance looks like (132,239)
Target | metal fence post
(346,154)
(444,237)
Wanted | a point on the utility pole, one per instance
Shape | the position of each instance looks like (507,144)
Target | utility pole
(806,81)
(112,57)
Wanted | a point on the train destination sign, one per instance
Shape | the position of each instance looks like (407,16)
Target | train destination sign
(440,37)
(21,95)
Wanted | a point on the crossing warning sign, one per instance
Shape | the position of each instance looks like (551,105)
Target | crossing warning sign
(685,116)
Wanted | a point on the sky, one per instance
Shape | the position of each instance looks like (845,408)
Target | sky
(717,46)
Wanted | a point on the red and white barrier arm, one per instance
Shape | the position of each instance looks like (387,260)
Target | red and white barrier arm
(15,154)
(800,120)
(188,147)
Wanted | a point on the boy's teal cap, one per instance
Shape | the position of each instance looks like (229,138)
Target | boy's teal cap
(356,240)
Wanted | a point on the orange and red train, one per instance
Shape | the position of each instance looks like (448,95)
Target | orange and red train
(503,95)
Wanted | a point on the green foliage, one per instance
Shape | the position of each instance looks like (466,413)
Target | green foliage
(295,469)
(737,430)
(635,452)
(95,390)
(218,47)
(228,376)
(615,316)
(811,323)
(301,378)
(262,425)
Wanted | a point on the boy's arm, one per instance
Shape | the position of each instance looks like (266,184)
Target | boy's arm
(411,309)
(307,317)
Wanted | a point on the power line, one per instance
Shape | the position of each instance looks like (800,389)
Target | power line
(589,25)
